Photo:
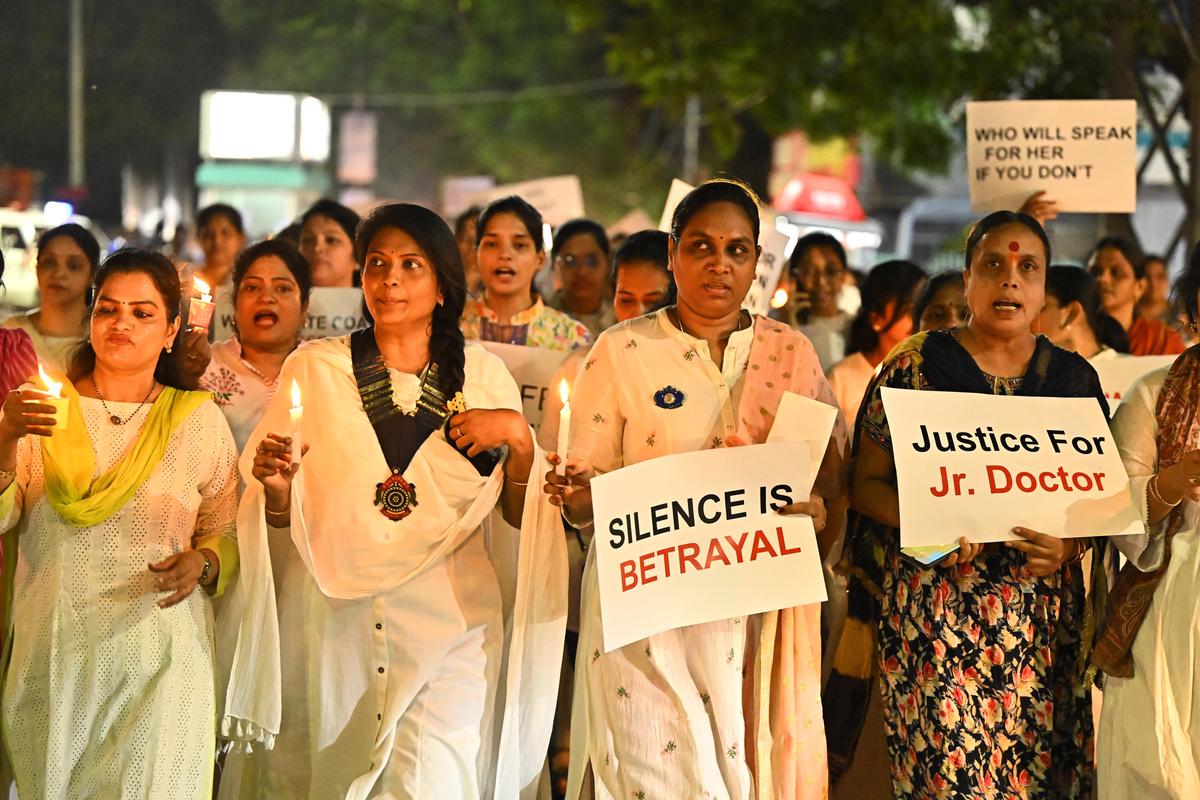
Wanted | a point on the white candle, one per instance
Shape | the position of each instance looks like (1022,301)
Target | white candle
(564,427)
(297,414)
(60,403)
(200,309)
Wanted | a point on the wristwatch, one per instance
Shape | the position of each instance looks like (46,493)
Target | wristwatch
(203,579)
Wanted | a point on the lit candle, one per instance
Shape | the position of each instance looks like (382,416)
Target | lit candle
(60,403)
(564,427)
(780,298)
(297,414)
(200,310)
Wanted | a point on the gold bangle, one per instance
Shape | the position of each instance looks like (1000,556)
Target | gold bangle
(515,483)
(1080,552)
(285,514)
(8,474)
(1152,489)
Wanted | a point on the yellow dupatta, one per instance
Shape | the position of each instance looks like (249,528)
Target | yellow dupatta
(69,460)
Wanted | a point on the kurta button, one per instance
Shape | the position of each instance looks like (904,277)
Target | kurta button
(379,717)
(381,670)
(378,626)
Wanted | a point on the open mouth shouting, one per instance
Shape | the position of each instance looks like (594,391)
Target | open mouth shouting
(265,319)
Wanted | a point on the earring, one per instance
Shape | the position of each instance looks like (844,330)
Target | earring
(167,348)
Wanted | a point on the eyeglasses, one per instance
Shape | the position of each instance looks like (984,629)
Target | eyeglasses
(572,262)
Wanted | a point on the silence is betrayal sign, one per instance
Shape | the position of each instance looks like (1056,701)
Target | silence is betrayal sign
(694,537)
(978,465)
(1082,153)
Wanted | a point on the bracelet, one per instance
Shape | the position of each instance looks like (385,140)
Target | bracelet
(8,474)
(203,579)
(1080,552)
(515,483)
(282,515)
(1152,490)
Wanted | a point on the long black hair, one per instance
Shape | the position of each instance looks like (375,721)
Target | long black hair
(161,272)
(1067,285)
(890,281)
(519,207)
(434,237)
(998,219)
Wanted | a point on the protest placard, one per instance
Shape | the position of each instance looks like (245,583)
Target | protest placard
(1118,372)
(1082,153)
(332,311)
(558,199)
(770,265)
(533,369)
(693,537)
(675,194)
(1044,463)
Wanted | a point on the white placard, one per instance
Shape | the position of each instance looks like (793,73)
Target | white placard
(1082,153)
(1118,374)
(768,270)
(693,537)
(679,190)
(802,419)
(332,311)
(533,368)
(558,199)
(978,465)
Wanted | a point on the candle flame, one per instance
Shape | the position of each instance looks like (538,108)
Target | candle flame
(203,288)
(779,299)
(295,394)
(53,387)
(564,390)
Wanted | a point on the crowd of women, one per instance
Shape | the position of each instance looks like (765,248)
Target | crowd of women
(389,592)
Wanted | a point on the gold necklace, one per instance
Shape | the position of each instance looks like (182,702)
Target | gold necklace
(113,418)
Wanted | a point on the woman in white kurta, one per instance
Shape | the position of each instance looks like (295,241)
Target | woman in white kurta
(112,522)
(381,664)
(271,281)
(1148,745)
(668,716)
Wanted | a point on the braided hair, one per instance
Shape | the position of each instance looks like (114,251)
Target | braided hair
(434,237)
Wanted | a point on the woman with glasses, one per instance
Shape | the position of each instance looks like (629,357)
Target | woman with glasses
(581,256)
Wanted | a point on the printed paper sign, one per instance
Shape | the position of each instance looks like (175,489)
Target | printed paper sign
(1082,153)
(558,199)
(978,465)
(679,190)
(770,267)
(332,311)
(533,368)
(1117,375)
(693,537)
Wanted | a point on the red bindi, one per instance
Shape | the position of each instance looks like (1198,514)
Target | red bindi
(1014,247)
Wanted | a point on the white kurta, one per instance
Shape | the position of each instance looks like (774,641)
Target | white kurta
(392,692)
(108,695)
(661,717)
(1148,744)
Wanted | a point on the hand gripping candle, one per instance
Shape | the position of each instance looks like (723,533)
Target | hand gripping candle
(200,309)
(297,414)
(564,427)
(61,404)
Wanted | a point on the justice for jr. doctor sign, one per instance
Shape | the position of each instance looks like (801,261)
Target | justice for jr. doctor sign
(693,537)
(977,466)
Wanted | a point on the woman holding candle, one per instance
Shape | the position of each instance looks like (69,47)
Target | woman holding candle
(510,252)
(115,515)
(327,242)
(666,716)
(271,284)
(978,654)
(1148,744)
(67,257)
(373,601)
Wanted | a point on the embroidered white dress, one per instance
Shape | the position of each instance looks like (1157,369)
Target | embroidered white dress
(392,636)
(108,695)
(238,388)
(662,717)
(1148,744)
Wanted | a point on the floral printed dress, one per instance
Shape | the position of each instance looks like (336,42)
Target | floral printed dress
(979,662)
(537,326)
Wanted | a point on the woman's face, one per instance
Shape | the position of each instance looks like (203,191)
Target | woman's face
(399,282)
(221,242)
(1158,286)
(822,276)
(714,260)
(583,267)
(268,309)
(329,250)
(63,272)
(130,324)
(641,285)
(897,331)
(947,308)
(1006,283)
(1120,289)
(508,256)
